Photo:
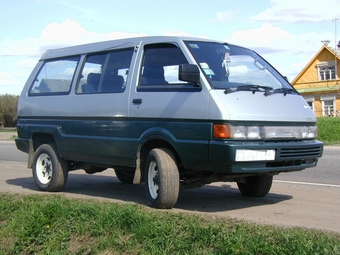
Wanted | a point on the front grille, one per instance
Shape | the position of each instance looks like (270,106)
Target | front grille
(302,152)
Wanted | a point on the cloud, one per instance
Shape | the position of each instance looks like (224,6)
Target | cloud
(265,35)
(225,16)
(22,55)
(26,47)
(4,76)
(6,80)
(270,39)
(66,33)
(57,35)
(26,63)
(280,47)
(294,11)
(176,32)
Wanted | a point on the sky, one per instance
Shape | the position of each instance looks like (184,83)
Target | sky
(287,33)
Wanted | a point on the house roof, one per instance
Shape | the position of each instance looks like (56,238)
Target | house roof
(324,47)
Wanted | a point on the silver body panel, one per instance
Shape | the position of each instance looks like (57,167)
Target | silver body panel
(206,104)
(246,106)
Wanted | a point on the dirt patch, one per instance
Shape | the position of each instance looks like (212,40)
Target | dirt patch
(8,135)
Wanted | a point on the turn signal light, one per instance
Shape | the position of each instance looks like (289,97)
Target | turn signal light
(221,131)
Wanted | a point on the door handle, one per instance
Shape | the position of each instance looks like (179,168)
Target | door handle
(137,101)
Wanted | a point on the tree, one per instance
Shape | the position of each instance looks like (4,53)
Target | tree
(8,110)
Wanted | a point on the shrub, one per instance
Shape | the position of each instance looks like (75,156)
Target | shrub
(329,130)
(8,110)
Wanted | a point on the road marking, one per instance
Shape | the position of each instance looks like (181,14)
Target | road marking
(310,183)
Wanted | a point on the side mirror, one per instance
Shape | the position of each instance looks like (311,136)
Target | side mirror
(188,72)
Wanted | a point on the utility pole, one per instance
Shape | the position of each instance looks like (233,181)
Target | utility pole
(335,51)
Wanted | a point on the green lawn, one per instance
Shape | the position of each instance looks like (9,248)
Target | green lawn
(48,224)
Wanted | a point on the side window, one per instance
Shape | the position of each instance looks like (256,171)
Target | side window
(160,65)
(91,74)
(105,72)
(55,77)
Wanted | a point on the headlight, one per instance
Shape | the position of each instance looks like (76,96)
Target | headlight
(244,132)
(290,132)
(310,132)
(264,132)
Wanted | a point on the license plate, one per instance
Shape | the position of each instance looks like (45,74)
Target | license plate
(254,155)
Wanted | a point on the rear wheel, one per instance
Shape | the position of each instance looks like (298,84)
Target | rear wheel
(49,170)
(255,186)
(161,178)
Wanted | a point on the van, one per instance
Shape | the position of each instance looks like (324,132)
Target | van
(173,112)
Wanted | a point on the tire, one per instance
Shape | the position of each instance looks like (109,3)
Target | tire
(255,186)
(125,176)
(161,178)
(50,172)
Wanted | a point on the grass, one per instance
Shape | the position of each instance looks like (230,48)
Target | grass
(329,130)
(9,130)
(56,225)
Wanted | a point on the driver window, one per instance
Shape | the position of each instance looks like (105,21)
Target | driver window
(160,65)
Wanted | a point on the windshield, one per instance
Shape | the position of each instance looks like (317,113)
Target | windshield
(233,67)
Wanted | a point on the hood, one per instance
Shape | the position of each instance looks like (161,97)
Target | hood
(248,106)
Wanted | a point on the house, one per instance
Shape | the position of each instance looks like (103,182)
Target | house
(319,83)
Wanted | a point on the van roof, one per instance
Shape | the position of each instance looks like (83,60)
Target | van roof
(112,44)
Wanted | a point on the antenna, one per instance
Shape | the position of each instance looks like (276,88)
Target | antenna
(325,42)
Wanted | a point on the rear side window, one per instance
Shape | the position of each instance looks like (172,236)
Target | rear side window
(105,72)
(55,77)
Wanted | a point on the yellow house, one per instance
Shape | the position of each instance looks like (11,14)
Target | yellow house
(319,83)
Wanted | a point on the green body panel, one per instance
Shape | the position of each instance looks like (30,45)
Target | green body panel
(116,141)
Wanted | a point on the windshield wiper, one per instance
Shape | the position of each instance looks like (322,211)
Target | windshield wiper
(258,88)
(285,91)
(252,88)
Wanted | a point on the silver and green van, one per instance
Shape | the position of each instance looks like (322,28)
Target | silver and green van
(172,112)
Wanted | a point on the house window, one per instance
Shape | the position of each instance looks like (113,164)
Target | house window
(326,70)
(327,73)
(311,105)
(327,107)
(310,101)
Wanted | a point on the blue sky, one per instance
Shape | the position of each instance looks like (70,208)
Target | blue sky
(288,33)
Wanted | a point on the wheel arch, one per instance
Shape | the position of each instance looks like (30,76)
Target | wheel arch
(149,143)
(37,140)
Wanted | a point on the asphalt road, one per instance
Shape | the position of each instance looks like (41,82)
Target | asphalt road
(9,152)
(309,198)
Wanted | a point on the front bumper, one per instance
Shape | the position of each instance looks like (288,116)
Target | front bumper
(289,156)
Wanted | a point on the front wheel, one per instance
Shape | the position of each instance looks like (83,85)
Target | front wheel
(255,186)
(161,178)
(49,170)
